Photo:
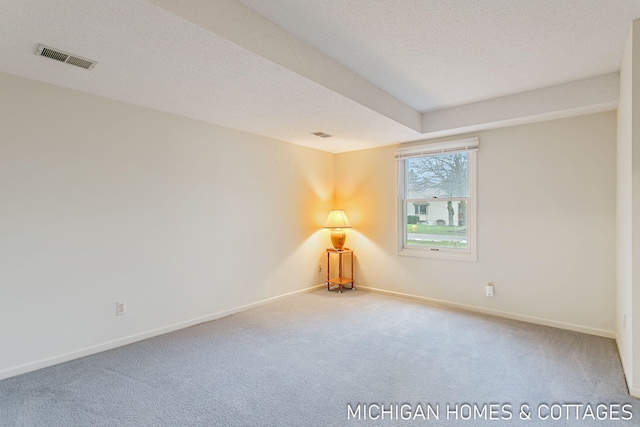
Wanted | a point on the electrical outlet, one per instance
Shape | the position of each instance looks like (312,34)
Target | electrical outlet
(489,289)
(121,308)
(319,267)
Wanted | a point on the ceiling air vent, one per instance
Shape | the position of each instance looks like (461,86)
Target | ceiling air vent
(61,56)
(321,134)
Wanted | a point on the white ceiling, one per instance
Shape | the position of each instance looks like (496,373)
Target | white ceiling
(370,72)
(432,54)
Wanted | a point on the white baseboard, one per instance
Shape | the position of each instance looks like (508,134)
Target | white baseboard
(505,314)
(633,391)
(86,351)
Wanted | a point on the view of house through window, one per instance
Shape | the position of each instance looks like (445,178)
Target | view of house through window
(437,201)
(443,180)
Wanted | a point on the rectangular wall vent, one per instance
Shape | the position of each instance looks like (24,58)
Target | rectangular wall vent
(68,58)
(321,134)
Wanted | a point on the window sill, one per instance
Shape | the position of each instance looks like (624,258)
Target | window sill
(445,255)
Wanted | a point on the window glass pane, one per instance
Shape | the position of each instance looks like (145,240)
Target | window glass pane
(441,176)
(444,225)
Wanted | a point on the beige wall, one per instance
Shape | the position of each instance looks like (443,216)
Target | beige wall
(624,312)
(104,201)
(628,212)
(546,221)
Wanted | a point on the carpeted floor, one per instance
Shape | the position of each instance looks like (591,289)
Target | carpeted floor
(329,359)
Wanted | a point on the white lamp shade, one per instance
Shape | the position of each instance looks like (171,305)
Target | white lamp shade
(337,219)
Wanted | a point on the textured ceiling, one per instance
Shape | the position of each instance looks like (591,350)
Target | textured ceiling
(432,54)
(361,70)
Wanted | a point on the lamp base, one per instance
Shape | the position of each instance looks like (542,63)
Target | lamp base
(338,237)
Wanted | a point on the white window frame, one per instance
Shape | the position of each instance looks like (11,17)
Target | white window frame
(470,253)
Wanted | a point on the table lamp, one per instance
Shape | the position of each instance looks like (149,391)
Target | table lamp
(337,220)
